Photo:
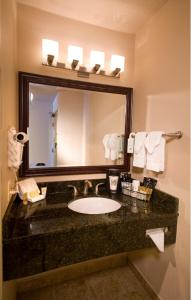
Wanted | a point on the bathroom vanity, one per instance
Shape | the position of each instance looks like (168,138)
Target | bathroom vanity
(46,235)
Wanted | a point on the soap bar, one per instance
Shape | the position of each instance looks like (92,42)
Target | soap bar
(36,198)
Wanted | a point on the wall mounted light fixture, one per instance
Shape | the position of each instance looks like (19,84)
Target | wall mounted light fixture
(75,59)
(97,60)
(49,51)
(117,64)
(75,56)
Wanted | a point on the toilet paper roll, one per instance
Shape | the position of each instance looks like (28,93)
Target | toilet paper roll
(157,236)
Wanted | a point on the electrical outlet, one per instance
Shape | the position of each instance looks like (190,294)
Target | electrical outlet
(10,190)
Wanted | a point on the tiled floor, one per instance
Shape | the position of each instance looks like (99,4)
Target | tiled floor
(114,284)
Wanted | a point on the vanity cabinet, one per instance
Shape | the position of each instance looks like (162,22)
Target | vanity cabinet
(47,235)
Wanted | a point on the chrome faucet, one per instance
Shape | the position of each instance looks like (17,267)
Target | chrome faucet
(97,187)
(75,191)
(87,185)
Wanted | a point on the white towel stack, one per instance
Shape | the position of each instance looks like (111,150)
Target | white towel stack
(149,151)
(113,144)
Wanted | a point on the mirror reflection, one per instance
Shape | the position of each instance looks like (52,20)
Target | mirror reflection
(72,127)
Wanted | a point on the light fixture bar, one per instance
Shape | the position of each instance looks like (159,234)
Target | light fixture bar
(82,71)
(61,65)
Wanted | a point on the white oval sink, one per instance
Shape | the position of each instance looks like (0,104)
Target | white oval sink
(94,205)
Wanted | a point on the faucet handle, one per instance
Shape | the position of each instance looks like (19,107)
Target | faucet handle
(75,191)
(97,187)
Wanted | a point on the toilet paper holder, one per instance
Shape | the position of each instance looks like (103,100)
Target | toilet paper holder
(165,229)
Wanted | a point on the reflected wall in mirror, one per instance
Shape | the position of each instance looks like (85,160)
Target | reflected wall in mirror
(74,127)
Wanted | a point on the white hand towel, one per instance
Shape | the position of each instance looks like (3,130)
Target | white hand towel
(106,139)
(139,157)
(113,143)
(155,145)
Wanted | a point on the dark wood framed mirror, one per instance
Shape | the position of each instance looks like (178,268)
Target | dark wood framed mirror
(74,127)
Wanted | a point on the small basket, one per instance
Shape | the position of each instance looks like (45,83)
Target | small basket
(139,195)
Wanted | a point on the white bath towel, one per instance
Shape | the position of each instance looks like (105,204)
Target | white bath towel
(106,139)
(114,146)
(139,157)
(155,146)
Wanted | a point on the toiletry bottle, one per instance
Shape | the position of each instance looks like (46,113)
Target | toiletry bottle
(149,182)
(126,180)
(113,180)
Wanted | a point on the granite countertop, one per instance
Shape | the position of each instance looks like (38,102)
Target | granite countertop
(52,235)
(52,214)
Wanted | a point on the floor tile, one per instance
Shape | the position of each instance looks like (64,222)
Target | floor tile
(45,293)
(73,290)
(113,284)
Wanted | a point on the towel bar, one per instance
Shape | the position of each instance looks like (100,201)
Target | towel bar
(177,134)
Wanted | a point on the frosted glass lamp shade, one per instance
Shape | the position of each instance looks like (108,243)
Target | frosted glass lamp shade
(75,53)
(49,47)
(117,61)
(97,58)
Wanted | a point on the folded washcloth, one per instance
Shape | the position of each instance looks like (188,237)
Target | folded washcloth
(114,146)
(106,139)
(139,157)
(155,146)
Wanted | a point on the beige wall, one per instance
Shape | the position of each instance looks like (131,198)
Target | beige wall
(8,111)
(34,24)
(39,129)
(9,88)
(69,128)
(107,115)
(161,102)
